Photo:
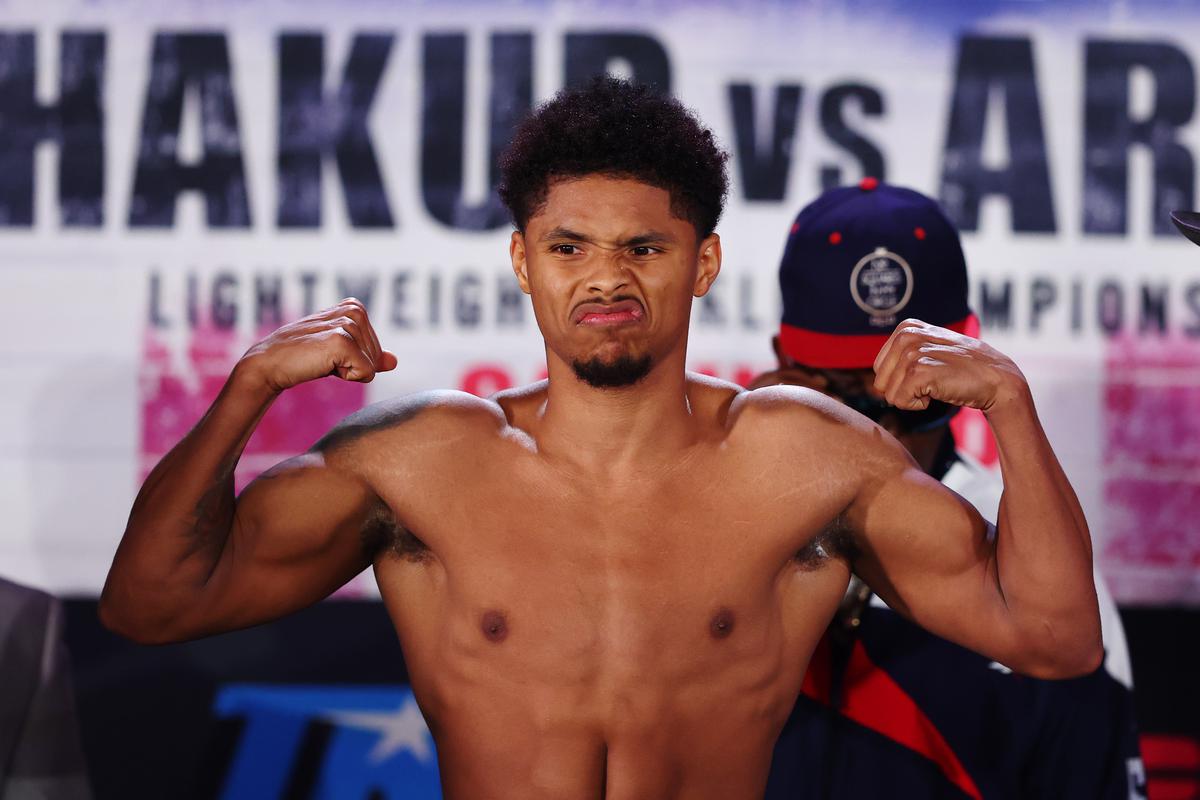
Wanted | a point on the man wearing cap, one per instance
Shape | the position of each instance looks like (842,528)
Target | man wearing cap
(888,709)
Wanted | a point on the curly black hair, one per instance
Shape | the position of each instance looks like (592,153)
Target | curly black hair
(615,127)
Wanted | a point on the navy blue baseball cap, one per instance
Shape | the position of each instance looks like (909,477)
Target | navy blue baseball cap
(861,259)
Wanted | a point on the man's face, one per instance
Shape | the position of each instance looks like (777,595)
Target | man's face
(612,273)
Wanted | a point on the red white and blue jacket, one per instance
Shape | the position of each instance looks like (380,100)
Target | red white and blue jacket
(889,710)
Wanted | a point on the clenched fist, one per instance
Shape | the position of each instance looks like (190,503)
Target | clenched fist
(922,362)
(337,341)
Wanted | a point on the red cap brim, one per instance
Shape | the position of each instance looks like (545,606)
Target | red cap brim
(838,351)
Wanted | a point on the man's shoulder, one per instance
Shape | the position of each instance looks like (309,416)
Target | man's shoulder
(803,426)
(438,414)
(787,409)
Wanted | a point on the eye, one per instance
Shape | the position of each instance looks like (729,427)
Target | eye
(644,250)
(565,249)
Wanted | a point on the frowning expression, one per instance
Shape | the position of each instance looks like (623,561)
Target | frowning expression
(612,271)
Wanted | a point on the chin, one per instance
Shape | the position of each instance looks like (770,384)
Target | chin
(613,372)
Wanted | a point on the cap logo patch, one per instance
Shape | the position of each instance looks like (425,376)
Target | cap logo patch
(881,285)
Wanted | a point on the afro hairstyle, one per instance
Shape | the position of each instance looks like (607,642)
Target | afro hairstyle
(622,129)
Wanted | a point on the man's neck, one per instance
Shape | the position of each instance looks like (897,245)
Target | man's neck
(610,431)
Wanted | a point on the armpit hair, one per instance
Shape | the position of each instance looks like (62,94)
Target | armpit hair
(834,542)
(383,535)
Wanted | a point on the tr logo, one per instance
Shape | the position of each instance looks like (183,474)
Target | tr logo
(326,742)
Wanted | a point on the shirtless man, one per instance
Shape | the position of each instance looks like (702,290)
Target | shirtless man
(609,584)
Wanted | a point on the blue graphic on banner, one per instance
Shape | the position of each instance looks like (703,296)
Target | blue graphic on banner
(345,742)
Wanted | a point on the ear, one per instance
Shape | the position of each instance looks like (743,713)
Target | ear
(780,356)
(520,265)
(708,264)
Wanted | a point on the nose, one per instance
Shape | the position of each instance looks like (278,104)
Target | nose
(608,275)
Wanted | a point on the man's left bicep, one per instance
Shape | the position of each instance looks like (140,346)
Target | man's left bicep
(931,556)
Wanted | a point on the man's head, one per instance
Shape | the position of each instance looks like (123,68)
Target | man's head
(858,261)
(615,192)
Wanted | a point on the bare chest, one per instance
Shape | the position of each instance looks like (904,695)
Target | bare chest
(579,581)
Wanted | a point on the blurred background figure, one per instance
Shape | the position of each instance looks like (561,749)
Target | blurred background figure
(888,709)
(40,755)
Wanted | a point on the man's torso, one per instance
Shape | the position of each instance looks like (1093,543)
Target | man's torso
(636,634)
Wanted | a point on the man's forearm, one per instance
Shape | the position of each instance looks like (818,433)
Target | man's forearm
(183,514)
(1044,551)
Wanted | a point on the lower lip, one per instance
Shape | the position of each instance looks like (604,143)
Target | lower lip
(619,318)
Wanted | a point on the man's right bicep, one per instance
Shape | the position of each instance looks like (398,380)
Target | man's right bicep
(297,536)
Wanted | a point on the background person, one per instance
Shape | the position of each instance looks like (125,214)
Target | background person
(40,755)
(888,709)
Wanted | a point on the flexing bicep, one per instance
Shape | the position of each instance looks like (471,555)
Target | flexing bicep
(298,533)
(931,556)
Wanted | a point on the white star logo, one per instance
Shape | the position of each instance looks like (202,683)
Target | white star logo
(402,729)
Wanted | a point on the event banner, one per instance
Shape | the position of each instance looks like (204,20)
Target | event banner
(178,179)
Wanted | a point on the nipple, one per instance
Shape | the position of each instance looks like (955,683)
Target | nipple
(722,623)
(494,626)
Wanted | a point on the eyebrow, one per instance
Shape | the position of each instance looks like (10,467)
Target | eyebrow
(649,237)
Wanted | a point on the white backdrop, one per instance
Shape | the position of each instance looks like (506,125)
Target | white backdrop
(115,315)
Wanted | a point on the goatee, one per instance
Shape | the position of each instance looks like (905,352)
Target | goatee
(623,371)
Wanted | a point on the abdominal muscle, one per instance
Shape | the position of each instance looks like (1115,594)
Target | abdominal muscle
(531,749)
(666,705)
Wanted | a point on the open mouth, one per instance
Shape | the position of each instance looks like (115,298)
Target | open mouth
(624,312)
